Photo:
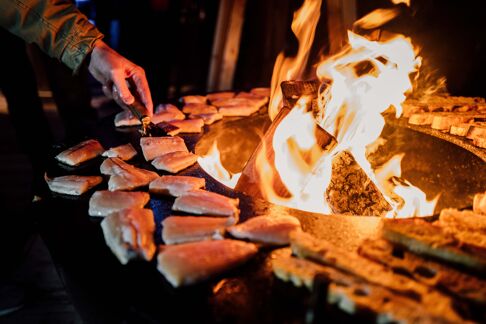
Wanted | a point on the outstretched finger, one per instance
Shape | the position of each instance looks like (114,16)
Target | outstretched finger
(143,89)
(122,88)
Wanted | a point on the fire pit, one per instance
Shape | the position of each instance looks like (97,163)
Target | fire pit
(333,153)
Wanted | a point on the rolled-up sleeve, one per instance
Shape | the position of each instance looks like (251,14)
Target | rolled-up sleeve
(57,26)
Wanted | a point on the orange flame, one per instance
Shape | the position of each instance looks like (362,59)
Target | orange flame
(211,163)
(367,78)
(291,68)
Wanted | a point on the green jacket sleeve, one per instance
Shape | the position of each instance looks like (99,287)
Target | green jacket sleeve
(57,26)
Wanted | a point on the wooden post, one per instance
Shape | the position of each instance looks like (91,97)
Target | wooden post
(341,14)
(226,44)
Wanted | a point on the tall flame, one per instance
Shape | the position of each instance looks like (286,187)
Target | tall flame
(361,82)
(292,68)
(211,163)
(367,77)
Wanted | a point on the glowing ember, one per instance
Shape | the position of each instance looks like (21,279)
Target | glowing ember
(211,163)
(291,68)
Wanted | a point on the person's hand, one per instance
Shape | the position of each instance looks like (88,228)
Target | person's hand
(117,74)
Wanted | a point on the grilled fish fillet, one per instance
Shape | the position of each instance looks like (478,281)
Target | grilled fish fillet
(195,108)
(253,102)
(344,290)
(124,176)
(273,230)
(166,113)
(250,95)
(186,126)
(238,110)
(80,153)
(129,233)
(124,152)
(104,202)
(466,226)
(183,229)
(72,184)
(157,146)
(193,99)
(202,202)
(174,162)
(208,119)
(190,263)
(126,118)
(264,92)
(162,113)
(220,95)
(175,185)
(305,246)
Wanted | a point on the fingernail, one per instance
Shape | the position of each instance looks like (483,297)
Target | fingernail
(128,100)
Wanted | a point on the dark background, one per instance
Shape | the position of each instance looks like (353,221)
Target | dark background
(172,40)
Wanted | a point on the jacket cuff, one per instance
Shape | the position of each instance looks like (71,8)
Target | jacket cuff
(79,48)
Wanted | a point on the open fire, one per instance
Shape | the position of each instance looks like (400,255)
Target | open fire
(358,84)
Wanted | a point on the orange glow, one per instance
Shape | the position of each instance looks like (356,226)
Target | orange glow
(291,68)
(211,163)
(407,2)
(303,166)
(363,81)
(368,77)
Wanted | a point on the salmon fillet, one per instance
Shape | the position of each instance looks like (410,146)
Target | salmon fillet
(166,113)
(238,110)
(124,176)
(193,99)
(202,202)
(124,152)
(104,202)
(183,229)
(250,95)
(255,102)
(220,95)
(186,126)
(262,91)
(126,118)
(157,146)
(208,119)
(175,185)
(174,162)
(190,263)
(72,184)
(129,233)
(81,152)
(273,230)
(195,108)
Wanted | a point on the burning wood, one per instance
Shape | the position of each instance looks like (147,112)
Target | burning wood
(351,191)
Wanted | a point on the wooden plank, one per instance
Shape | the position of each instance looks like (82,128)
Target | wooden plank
(341,14)
(226,44)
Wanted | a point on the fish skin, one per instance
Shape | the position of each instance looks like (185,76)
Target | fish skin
(74,185)
(129,234)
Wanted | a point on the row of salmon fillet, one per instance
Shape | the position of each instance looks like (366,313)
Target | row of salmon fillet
(414,271)
(198,110)
(202,238)
(460,116)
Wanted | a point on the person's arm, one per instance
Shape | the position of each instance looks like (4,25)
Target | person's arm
(63,32)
